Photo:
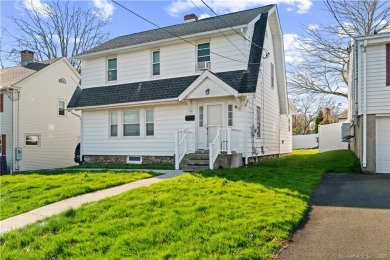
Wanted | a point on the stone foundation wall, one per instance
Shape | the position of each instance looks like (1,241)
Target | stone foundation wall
(255,159)
(158,159)
(122,159)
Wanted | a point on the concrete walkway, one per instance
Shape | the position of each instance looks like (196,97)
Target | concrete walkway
(75,202)
(349,219)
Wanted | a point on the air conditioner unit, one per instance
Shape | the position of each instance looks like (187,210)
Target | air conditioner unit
(204,65)
(346,132)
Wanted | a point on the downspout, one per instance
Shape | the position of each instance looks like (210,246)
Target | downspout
(253,124)
(17,168)
(246,134)
(12,136)
(364,163)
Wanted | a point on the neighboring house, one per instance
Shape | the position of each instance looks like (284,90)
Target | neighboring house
(37,131)
(152,97)
(369,102)
(343,117)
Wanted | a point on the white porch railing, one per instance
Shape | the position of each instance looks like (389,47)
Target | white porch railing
(180,146)
(226,140)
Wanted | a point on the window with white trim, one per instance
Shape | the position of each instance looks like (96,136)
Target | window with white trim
(230,115)
(61,108)
(156,63)
(149,122)
(258,122)
(203,55)
(131,123)
(289,124)
(113,124)
(112,69)
(201,116)
(32,140)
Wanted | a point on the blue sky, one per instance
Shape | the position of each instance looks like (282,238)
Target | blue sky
(294,15)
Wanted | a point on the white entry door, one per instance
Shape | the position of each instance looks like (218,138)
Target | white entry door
(214,121)
(210,116)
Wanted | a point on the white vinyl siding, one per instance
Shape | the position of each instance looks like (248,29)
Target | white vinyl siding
(378,94)
(58,136)
(176,60)
(166,120)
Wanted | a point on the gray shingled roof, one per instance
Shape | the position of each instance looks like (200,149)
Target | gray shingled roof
(12,75)
(244,81)
(204,25)
(147,90)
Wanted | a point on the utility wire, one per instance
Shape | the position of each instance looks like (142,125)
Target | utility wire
(266,51)
(220,30)
(175,35)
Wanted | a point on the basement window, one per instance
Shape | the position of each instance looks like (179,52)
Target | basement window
(134,160)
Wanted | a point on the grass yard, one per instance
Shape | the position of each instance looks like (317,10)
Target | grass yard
(245,213)
(24,192)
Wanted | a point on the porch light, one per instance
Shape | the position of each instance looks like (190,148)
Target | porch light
(207,91)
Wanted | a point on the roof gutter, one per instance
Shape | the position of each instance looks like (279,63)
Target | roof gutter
(150,44)
(126,104)
(5,89)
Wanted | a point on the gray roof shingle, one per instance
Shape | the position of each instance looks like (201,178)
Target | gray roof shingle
(204,25)
(12,75)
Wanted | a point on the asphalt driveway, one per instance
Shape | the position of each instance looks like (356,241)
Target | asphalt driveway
(349,219)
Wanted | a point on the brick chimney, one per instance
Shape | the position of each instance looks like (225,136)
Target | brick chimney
(26,57)
(190,18)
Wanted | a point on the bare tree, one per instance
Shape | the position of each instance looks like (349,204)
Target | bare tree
(326,47)
(56,29)
(308,109)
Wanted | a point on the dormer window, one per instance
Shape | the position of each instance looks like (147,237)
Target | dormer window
(203,56)
(111,69)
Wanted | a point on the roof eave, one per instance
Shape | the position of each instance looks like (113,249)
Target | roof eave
(139,103)
(149,44)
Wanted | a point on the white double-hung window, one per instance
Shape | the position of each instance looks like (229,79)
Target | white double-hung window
(203,54)
(156,63)
(149,122)
(113,124)
(131,123)
(112,69)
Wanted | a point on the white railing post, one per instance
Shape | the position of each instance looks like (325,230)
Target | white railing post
(228,139)
(177,150)
(211,161)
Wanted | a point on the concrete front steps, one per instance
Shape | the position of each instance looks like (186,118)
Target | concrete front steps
(195,161)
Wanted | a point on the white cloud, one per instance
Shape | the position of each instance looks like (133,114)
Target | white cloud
(38,6)
(204,16)
(313,27)
(220,6)
(105,9)
(292,54)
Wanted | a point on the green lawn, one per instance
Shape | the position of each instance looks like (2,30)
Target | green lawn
(24,192)
(245,213)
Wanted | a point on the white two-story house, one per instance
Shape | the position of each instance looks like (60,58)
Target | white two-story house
(37,132)
(213,86)
(369,102)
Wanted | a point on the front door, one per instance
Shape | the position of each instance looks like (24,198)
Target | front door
(212,115)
